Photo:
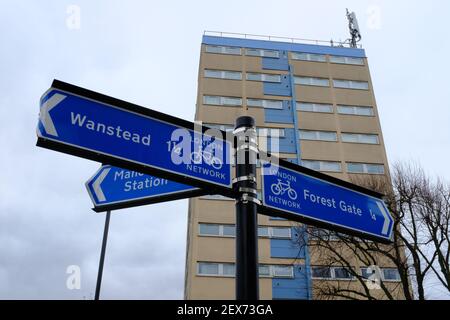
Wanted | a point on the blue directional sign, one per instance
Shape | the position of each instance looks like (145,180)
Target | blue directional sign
(112,188)
(94,126)
(303,197)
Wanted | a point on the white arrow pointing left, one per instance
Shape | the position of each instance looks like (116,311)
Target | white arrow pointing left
(44,114)
(97,185)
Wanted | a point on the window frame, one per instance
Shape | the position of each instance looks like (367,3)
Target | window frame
(319,232)
(346,60)
(221,101)
(295,56)
(223,49)
(317,133)
(262,53)
(383,277)
(365,167)
(320,162)
(221,230)
(398,279)
(281,131)
(350,83)
(352,277)
(314,107)
(220,268)
(358,136)
(311,82)
(263,77)
(355,108)
(264,103)
(222,74)
(321,278)
(332,274)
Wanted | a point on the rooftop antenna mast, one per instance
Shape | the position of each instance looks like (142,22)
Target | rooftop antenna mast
(354,29)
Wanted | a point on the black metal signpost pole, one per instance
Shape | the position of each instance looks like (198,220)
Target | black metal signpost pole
(247,278)
(102,256)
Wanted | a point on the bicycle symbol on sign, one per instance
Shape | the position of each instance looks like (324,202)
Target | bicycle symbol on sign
(281,188)
(208,157)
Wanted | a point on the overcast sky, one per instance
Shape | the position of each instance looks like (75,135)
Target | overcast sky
(143,52)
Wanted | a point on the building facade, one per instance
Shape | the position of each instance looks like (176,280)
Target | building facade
(319,99)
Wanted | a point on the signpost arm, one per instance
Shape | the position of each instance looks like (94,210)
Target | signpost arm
(102,256)
(247,277)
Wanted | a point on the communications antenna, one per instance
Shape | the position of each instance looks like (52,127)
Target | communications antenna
(354,29)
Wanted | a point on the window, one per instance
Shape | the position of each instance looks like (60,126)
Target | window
(342,273)
(266,104)
(276,271)
(282,271)
(356,110)
(350,84)
(216,269)
(347,60)
(327,166)
(335,273)
(229,270)
(209,229)
(365,168)
(222,74)
(229,230)
(271,132)
(366,274)
(314,107)
(323,234)
(279,232)
(223,127)
(222,101)
(263,77)
(208,268)
(321,272)
(360,138)
(309,57)
(218,230)
(308,81)
(274,232)
(263,232)
(387,274)
(223,50)
(264,270)
(391,274)
(262,53)
(318,135)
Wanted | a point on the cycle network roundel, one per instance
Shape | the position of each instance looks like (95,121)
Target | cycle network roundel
(298,194)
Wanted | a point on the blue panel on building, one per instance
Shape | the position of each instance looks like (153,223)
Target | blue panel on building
(279,89)
(280,63)
(284,115)
(296,288)
(288,248)
(275,45)
(286,144)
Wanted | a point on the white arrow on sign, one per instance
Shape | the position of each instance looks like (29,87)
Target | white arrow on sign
(96,185)
(387,219)
(44,114)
